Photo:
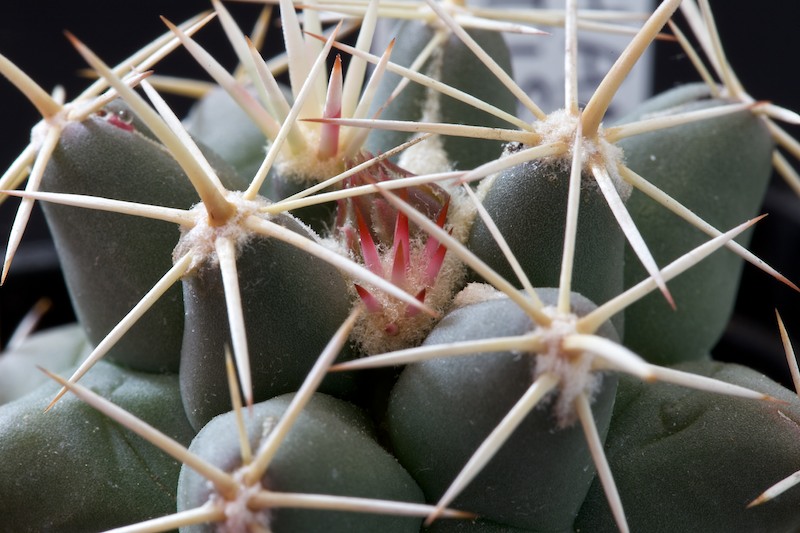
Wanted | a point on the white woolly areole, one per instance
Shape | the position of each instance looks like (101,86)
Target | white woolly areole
(239,518)
(392,328)
(475,293)
(40,129)
(306,168)
(426,157)
(573,370)
(38,133)
(200,239)
(560,127)
(370,332)
(462,212)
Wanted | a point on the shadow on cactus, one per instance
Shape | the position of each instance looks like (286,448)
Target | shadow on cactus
(554,138)
(508,368)
(213,234)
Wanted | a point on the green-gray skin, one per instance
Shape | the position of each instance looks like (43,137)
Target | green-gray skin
(528,202)
(292,303)
(461,69)
(57,349)
(74,469)
(279,186)
(441,410)
(685,460)
(719,168)
(220,123)
(111,260)
(329,450)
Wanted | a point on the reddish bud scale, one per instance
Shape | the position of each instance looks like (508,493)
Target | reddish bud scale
(384,240)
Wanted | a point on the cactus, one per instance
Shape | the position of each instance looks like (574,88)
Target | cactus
(366,303)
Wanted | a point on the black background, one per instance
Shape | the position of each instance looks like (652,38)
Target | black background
(763,43)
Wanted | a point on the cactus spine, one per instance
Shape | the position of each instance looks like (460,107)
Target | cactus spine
(312,259)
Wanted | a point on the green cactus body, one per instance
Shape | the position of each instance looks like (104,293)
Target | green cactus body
(719,168)
(279,186)
(454,64)
(72,469)
(57,349)
(528,203)
(217,121)
(329,450)
(684,460)
(516,416)
(292,302)
(441,410)
(111,260)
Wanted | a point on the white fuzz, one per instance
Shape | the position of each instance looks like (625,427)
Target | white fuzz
(486,184)
(40,129)
(461,213)
(239,518)
(559,128)
(38,133)
(574,370)
(393,328)
(427,157)
(199,240)
(305,168)
(475,293)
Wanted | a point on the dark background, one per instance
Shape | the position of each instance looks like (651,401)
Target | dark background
(763,43)
(761,40)
(32,36)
